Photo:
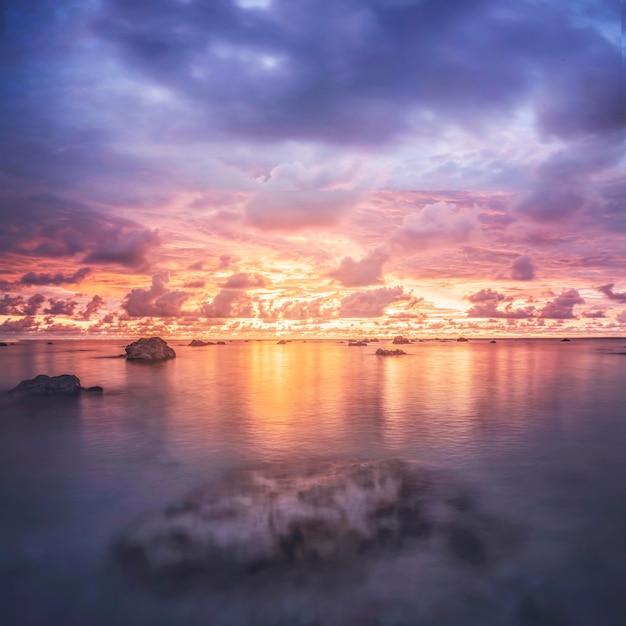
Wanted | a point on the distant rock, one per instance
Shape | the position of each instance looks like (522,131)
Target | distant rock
(493,341)
(352,344)
(382,352)
(3,345)
(49,343)
(373,340)
(149,349)
(282,342)
(400,340)
(317,515)
(42,385)
(462,339)
(565,340)
(221,343)
(196,343)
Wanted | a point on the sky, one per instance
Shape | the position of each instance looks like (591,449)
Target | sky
(312,168)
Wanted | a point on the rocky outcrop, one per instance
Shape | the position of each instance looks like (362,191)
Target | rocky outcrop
(281,342)
(382,352)
(149,349)
(42,385)
(197,343)
(400,340)
(462,339)
(279,517)
(3,345)
(353,344)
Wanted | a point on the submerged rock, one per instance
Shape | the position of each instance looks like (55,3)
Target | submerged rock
(382,352)
(42,385)
(149,349)
(280,517)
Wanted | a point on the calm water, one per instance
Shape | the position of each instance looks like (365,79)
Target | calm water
(536,429)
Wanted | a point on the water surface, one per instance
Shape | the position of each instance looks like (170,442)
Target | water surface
(536,430)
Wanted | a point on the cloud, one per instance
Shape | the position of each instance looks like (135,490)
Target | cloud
(31,278)
(223,303)
(128,248)
(621,317)
(298,210)
(371,303)
(594,314)
(92,307)
(607,290)
(60,307)
(244,281)
(437,225)
(19,325)
(522,268)
(366,271)
(155,301)
(486,295)
(486,303)
(562,307)
(16,305)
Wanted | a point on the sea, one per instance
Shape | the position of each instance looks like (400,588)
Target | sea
(534,429)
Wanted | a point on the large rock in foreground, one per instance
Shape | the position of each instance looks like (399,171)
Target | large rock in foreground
(149,349)
(42,385)
(282,517)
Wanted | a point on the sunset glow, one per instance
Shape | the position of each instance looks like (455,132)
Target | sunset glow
(249,169)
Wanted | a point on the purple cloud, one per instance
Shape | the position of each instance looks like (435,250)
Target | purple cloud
(607,290)
(371,303)
(155,301)
(523,268)
(362,273)
(562,307)
(31,278)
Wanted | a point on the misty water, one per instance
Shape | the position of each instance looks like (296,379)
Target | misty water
(534,430)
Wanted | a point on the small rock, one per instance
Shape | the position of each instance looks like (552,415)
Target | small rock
(399,340)
(282,342)
(462,339)
(42,385)
(149,349)
(397,352)
(221,343)
(3,345)
(94,389)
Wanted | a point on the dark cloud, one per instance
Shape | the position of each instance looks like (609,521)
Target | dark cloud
(91,308)
(48,226)
(128,248)
(155,301)
(562,307)
(19,325)
(33,304)
(342,71)
(366,271)
(594,314)
(371,303)
(31,278)
(523,268)
(607,290)
(60,307)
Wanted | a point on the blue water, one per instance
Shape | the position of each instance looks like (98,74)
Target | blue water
(535,429)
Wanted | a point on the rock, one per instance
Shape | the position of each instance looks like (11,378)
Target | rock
(373,340)
(352,344)
(282,342)
(492,341)
(196,343)
(221,343)
(149,349)
(286,518)
(381,352)
(94,389)
(3,345)
(42,385)
(565,340)
(462,339)
(49,343)
(399,340)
